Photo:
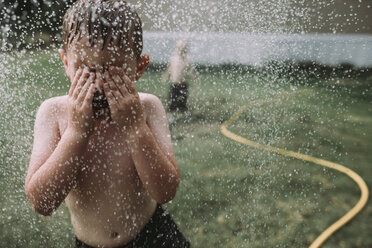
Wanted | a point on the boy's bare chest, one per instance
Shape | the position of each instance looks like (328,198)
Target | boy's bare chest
(107,143)
(107,159)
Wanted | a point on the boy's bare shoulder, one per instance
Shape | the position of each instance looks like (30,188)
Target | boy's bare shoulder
(53,107)
(151,103)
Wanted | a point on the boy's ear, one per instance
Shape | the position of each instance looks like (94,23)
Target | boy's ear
(142,64)
(63,58)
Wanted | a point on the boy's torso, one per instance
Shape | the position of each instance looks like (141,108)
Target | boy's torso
(109,204)
(178,68)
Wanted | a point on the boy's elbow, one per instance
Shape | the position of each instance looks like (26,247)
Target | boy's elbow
(41,208)
(163,201)
(169,193)
(38,204)
(165,198)
(43,211)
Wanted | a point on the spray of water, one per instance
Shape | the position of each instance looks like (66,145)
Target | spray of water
(229,195)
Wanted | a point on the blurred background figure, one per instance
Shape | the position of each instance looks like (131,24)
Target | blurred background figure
(179,69)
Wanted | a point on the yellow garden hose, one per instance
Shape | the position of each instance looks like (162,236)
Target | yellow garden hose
(362,185)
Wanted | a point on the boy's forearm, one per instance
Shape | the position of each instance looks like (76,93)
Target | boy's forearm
(165,76)
(51,183)
(158,173)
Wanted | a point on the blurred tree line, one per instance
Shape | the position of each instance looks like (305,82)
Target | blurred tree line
(31,23)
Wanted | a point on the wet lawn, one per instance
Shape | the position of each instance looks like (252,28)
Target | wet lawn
(231,195)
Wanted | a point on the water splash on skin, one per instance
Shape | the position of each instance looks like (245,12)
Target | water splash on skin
(243,51)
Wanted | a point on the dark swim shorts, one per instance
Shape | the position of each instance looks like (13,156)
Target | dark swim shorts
(160,232)
(178,94)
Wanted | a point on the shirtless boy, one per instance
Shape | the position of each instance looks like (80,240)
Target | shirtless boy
(104,147)
(178,70)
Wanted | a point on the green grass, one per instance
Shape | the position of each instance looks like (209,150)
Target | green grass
(230,195)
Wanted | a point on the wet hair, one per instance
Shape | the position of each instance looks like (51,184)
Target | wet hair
(106,23)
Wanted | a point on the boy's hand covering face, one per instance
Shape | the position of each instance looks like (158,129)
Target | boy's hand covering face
(80,96)
(123,99)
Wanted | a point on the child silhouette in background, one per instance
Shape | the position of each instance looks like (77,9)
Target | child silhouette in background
(104,147)
(179,69)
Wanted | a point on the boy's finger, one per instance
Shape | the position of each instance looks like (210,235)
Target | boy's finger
(106,76)
(110,98)
(129,84)
(99,81)
(74,81)
(89,97)
(81,82)
(79,85)
(120,71)
(108,80)
(116,71)
(114,90)
(120,85)
(84,90)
